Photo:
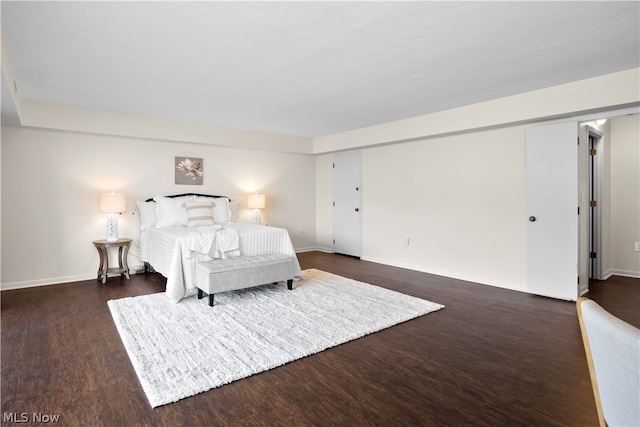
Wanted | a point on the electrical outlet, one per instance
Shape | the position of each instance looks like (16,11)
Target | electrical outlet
(436,245)
(637,246)
(406,241)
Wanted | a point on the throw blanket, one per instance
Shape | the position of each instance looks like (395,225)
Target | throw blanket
(216,242)
(227,243)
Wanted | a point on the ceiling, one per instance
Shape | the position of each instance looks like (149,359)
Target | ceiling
(306,68)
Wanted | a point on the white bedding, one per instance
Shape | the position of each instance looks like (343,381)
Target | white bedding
(169,249)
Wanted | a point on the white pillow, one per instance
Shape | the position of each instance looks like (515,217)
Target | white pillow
(221,210)
(148,217)
(199,213)
(171,212)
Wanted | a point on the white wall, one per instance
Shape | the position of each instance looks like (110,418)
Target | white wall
(51,181)
(465,192)
(324,198)
(454,181)
(468,193)
(75,119)
(460,200)
(625,196)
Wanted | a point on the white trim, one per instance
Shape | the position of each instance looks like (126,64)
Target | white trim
(84,277)
(518,287)
(135,269)
(47,281)
(598,171)
(307,249)
(607,114)
(582,290)
(324,249)
(624,273)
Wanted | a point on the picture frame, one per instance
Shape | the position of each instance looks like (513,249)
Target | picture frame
(189,170)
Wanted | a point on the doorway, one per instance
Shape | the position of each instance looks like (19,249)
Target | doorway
(596,202)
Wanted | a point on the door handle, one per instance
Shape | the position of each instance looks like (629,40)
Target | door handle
(357,209)
(532,218)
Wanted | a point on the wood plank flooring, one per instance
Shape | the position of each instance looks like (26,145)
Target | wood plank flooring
(492,357)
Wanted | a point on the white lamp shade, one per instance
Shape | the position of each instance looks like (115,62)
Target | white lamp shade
(112,202)
(256,201)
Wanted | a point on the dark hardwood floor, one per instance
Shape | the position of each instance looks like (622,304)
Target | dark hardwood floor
(492,357)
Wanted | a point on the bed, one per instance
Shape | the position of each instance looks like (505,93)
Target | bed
(181,230)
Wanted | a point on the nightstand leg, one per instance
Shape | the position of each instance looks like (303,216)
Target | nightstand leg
(123,253)
(105,267)
(101,266)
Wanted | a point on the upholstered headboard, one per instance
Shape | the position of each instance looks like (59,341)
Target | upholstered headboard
(189,194)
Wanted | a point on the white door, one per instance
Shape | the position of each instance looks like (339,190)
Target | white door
(347,215)
(552,209)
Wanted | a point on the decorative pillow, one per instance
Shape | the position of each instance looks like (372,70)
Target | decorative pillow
(221,210)
(148,217)
(171,212)
(199,213)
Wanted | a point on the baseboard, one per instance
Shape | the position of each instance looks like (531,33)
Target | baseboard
(323,249)
(46,282)
(582,290)
(313,248)
(625,273)
(307,249)
(57,280)
(520,287)
(81,277)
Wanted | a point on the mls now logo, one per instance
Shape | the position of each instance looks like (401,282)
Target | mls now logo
(23,417)
(14,417)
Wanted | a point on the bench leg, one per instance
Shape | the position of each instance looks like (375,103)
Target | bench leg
(201,295)
(290,284)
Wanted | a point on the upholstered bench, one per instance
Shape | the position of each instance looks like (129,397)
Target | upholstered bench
(242,272)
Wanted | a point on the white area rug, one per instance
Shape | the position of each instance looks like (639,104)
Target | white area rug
(181,349)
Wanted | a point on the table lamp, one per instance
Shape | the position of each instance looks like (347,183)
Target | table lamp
(112,204)
(256,202)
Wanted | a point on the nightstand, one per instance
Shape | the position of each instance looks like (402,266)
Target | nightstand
(123,249)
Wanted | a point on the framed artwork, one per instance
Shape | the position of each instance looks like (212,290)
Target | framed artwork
(188,171)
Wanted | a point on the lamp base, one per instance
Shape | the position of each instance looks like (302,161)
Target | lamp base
(256,216)
(112,227)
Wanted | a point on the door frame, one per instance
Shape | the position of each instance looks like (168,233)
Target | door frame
(333,198)
(584,121)
(596,170)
